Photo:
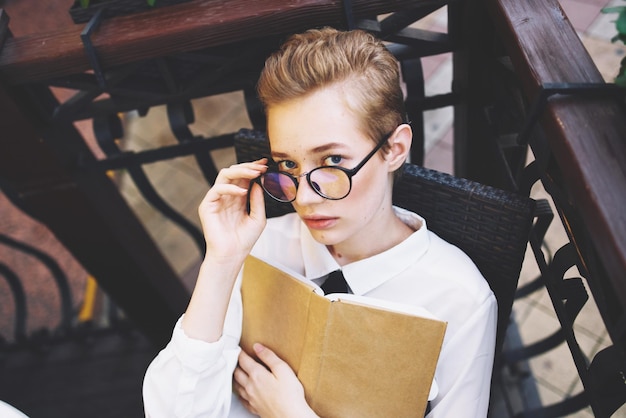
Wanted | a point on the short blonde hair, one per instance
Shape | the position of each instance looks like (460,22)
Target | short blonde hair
(319,58)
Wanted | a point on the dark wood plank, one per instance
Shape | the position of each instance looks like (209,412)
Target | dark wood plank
(543,43)
(185,27)
(586,135)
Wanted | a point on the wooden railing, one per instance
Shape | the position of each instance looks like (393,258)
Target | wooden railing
(181,28)
(585,130)
(531,87)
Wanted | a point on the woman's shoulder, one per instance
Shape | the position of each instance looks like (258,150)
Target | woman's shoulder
(458,268)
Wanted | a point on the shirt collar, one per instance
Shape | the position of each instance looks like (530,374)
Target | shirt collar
(367,274)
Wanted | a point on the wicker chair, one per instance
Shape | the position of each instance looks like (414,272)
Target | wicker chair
(492,226)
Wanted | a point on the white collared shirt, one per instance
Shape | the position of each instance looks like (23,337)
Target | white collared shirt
(191,378)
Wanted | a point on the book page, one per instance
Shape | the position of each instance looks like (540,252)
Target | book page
(383,304)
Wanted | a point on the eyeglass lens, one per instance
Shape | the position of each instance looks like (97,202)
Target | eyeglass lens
(329,182)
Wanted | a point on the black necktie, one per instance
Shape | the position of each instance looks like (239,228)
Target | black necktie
(335,283)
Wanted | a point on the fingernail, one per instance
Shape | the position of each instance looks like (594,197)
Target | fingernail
(258,347)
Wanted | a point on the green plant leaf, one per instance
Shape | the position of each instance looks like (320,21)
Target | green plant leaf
(151,2)
(620,24)
(84,3)
(616,9)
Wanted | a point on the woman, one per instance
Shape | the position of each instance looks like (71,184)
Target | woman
(332,99)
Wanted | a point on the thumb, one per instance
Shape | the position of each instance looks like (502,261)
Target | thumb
(257,202)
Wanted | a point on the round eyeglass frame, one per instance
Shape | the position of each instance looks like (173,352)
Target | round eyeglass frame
(348,172)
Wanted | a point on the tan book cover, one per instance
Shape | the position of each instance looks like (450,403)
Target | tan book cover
(355,356)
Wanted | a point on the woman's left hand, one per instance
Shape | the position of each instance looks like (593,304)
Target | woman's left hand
(270,388)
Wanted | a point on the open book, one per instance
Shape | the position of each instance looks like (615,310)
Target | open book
(355,356)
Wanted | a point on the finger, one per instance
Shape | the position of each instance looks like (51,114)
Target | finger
(241,171)
(240,391)
(240,382)
(244,398)
(258,164)
(257,202)
(240,376)
(247,363)
(218,191)
(268,357)
(259,161)
(262,161)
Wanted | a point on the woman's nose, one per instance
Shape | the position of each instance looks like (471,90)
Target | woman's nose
(306,195)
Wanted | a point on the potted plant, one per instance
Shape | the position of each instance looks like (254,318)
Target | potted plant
(620,25)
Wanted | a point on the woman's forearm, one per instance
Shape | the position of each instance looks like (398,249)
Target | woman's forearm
(205,315)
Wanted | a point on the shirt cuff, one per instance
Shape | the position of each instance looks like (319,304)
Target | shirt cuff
(194,354)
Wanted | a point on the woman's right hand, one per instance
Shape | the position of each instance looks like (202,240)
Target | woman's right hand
(230,233)
(229,230)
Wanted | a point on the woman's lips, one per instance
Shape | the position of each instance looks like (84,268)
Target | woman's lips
(319,222)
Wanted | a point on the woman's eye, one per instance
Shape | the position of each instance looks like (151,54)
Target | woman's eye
(286,165)
(333,160)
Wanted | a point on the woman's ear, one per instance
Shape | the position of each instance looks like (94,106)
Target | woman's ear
(399,146)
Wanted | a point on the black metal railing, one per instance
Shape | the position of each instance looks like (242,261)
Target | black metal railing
(601,375)
(528,153)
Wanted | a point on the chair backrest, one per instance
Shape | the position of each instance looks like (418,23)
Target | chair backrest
(490,225)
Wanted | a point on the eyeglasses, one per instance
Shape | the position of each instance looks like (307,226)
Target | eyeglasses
(330,182)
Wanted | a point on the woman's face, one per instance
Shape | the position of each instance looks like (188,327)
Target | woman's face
(319,130)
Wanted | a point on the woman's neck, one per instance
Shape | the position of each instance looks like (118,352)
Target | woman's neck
(382,236)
